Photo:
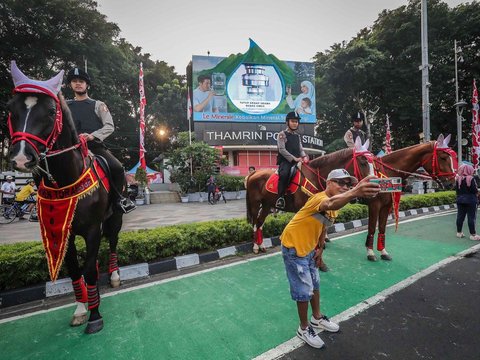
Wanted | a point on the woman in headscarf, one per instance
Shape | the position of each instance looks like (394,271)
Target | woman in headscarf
(466,189)
(308,91)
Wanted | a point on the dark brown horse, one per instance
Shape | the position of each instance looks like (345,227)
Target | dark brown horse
(435,157)
(261,201)
(45,142)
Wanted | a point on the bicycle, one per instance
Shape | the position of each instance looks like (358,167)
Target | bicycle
(9,212)
(217,195)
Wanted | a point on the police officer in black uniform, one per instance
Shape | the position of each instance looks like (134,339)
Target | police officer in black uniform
(355,131)
(290,152)
(94,122)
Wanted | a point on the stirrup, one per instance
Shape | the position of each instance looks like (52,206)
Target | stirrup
(126,205)
(280,204)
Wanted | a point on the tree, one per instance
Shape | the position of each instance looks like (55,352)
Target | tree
(205,161)
(47,36)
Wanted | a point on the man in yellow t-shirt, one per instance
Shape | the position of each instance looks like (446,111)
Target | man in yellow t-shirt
(26,193)
(302,240)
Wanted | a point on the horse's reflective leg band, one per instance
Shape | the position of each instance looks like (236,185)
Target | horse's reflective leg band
(93,298)
(369,242)
(381,242)
(80,290)
(113,263)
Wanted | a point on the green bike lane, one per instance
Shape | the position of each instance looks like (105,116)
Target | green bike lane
(232,312)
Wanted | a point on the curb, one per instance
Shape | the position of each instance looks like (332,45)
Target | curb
(143,270)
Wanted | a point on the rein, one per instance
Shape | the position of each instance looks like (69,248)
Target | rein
(367,154)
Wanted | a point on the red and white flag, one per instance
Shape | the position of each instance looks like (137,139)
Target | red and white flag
(143,102)
(388,137)
(189,105)
(475,127)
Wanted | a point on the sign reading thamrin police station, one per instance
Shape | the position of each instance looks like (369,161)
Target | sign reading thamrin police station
(240,103)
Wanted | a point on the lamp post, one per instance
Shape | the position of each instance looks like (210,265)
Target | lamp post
(369,119)
(459,104)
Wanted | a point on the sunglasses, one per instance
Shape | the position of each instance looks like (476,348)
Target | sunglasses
(343,183)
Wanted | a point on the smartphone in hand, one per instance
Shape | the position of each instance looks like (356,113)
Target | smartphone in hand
(392,184)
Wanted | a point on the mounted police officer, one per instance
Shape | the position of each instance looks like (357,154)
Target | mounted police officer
(290,152)
(94,122)
(356,130)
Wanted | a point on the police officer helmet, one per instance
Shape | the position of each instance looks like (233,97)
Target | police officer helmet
(77,73)
(358,116)
(292,115)
(30,180)
(9,177)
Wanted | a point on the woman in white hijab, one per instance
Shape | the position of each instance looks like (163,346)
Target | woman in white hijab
(308,91)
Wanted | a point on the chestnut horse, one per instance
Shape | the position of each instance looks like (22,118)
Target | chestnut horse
(435,157)
(44,141)
(260,201)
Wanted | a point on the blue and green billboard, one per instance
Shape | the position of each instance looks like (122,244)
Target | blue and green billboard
(252,87)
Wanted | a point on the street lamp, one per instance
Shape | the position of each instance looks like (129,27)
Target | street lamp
(369,119)
(459,104)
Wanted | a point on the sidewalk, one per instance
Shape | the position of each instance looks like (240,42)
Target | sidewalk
(144,217)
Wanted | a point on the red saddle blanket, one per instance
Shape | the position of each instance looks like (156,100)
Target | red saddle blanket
(272,183)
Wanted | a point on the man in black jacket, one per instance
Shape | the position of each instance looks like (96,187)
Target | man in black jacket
(94,122)
(290,152)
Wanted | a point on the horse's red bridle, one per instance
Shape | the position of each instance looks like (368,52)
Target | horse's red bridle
(30,138)
(436,172)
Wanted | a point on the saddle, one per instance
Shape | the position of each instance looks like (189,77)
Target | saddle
(293,181)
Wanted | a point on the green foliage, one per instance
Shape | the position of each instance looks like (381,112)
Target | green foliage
(47,36)
(24,264)
(379,67)
(205,161)
(231,183)
(141,176)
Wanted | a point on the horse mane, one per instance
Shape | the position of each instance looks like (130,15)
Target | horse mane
(393,156)
(322,161)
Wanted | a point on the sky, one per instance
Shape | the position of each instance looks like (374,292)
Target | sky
(174,30)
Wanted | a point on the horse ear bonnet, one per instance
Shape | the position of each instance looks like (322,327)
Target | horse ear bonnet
(77,73)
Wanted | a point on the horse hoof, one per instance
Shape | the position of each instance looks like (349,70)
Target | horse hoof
(386,257)
(78,320)
(255,248)
(94,326)
(115,283)
(263,249)
(327,239)
(371,258)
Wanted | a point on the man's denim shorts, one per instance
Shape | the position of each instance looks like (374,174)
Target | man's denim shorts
(302,274)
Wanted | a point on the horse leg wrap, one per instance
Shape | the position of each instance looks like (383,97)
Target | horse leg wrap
(381,242)
(369,242)
(113,263)
(259,237)
(93,297)
(80,290)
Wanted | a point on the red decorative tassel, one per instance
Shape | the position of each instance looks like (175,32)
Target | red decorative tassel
(381,242)
(80,290)
(396,207)
(93,297)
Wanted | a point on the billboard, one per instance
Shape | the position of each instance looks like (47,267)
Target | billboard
(252,87)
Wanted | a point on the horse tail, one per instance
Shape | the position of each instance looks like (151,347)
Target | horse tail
(247,198)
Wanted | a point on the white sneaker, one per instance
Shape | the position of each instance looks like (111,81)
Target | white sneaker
(475,237)
(324,323)
(460,235)
(310,337)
